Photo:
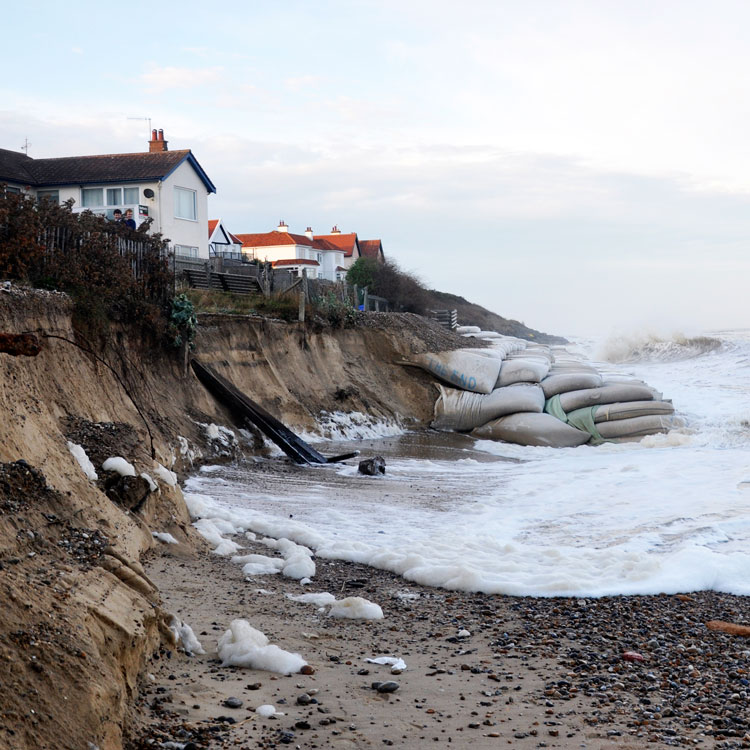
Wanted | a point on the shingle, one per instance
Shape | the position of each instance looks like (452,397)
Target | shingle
(14,167)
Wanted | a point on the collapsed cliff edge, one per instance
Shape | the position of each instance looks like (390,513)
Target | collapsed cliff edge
(80,618)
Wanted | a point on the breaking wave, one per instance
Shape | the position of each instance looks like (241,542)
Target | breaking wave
(653,348)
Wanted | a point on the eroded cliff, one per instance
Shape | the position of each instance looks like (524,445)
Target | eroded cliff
(79,617)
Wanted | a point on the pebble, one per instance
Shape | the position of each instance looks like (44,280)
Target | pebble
(233,703)
(391,686)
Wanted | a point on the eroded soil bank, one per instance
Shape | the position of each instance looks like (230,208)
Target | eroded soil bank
(80,618)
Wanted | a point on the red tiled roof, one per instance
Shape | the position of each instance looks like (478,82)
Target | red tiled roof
(212,225)
(345,242)
(341,268)
(235,239)
(370,248)
(268,239)
(295,262)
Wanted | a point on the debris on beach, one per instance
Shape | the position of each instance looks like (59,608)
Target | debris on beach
(533,394)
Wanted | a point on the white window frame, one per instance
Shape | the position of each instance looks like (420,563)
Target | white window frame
(188,192)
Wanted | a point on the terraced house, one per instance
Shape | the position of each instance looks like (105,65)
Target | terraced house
(168,187)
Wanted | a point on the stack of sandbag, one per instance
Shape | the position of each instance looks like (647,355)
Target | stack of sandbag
(615,411)
(525,393)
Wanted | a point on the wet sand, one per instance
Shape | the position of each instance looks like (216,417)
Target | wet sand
(532,673)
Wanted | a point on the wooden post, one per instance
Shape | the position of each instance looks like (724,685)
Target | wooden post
(356,296)
(302,296)
(364,299)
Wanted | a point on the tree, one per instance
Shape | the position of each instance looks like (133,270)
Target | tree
(362,272)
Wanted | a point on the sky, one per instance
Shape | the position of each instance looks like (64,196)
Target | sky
(580,165)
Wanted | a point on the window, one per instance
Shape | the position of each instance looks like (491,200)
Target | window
(320,257)
(184,204)
(186,251)
(12,190)
(92,197)
(130,195)
(114,196)
(51,195)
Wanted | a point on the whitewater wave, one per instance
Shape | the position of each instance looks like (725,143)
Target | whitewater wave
(648,347)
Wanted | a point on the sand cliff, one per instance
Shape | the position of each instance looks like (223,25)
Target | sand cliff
(80,617)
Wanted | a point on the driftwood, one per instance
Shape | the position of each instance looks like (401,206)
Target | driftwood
(294,446)
(729,627)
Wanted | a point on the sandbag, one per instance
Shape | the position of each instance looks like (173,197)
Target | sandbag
(532,429)
(573,380)
(461,369)
(606,394)
(462,410)
(635,427)
(518,370)
(612,412)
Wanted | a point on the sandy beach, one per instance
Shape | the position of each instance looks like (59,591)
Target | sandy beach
(481,670)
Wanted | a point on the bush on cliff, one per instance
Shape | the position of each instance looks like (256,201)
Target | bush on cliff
(111,272)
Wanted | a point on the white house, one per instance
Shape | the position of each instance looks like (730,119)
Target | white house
(282,248)
(169,187)
(221,241)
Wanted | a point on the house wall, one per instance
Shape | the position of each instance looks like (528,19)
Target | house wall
(183,231)
(278,252)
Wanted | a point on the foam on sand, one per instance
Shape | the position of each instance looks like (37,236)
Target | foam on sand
(244,646)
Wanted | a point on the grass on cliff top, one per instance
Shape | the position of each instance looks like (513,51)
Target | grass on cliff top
(227,303)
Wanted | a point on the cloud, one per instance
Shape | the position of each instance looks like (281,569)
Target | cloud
(302,83)
(159,79)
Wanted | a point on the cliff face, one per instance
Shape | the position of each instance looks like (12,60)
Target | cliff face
(79,617)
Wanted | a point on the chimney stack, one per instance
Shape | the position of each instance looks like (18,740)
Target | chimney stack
(335,230)
(157,143)
(309,233)
(282,227)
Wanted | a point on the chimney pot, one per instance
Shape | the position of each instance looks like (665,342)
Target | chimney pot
(157,144)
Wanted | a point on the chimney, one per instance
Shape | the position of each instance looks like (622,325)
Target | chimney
(309,233)
(282,227)
(335,230)
(157,144)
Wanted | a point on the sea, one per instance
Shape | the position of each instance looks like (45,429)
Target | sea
(669,513)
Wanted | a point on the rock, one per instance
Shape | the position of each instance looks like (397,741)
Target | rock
(128,492)
(20,344)
(388,687)
(307,669)
(254,686)
(633,656)
(372,466)
(233,703)
(303,699)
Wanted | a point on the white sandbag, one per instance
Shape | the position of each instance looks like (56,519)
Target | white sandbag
(606,394)
(638,426)
(612,412)
(462,410)
(491,352)
(522,371)
(532,429)
(461,369)
(573,380)
(460,330)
